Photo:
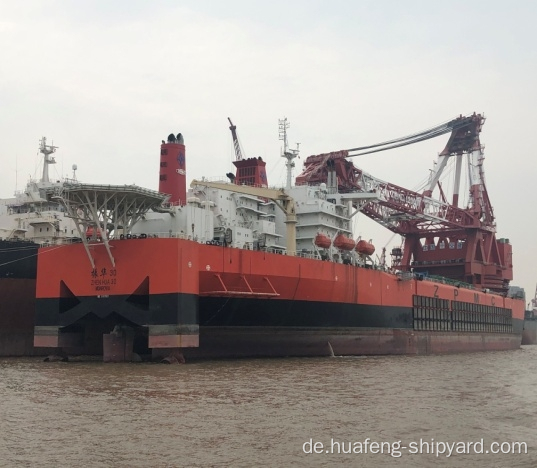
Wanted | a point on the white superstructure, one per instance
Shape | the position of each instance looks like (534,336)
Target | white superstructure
(238,216)
(284,220)
(32,214)
(226,217)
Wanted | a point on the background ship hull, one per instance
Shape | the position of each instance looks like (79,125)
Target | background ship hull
(17,316)
(529,334)
(18,269)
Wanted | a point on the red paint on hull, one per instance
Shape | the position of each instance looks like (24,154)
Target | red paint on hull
(168,265)
(180,266)
(296,278)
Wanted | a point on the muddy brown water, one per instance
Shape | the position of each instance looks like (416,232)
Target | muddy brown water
(269,412)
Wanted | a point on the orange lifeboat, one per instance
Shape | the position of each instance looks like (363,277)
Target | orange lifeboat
(343,242)
(89,232)
(365,248)
(323,241)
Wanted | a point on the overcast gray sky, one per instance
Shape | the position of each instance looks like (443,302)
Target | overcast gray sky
(107,80)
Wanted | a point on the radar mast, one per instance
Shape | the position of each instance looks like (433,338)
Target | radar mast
(287,153)
(46,150)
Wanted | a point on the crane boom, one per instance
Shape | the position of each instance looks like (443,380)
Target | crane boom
(399,206)
(236,145)
(440,238)
(452,126)
(400,209)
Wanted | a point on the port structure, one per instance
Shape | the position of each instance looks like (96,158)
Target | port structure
(440,237)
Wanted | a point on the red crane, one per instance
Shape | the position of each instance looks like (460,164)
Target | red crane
(441,238)
(250,171)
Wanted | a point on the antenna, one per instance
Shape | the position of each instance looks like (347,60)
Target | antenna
(288,154)
(283,125)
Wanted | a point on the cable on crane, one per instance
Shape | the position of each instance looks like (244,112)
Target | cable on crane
(427,134)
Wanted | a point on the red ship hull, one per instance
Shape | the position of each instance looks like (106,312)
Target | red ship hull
(213,301)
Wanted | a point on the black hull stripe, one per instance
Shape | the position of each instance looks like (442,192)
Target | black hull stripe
(189,309)
(211,311)
(286,313)
(155,309)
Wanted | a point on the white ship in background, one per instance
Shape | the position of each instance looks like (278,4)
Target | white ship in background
(32,215)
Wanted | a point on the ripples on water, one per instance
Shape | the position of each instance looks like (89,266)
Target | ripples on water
(260,412)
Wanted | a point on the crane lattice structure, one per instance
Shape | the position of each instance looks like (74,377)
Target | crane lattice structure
(236,144)
(441,238)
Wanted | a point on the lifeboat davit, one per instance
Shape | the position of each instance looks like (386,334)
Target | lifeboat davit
(343,242)
(322,241)
(365,248)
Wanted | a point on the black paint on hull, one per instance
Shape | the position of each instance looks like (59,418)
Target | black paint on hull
(18,259)
(285,313)
(163,309)
(154,309)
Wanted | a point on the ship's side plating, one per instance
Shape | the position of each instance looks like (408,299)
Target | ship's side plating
(254,303)
(251,303)
(213,274)
(152,291)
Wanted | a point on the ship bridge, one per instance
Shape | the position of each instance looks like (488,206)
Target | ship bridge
(101,212)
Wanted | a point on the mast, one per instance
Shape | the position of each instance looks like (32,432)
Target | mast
(286,152)
(46,150)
